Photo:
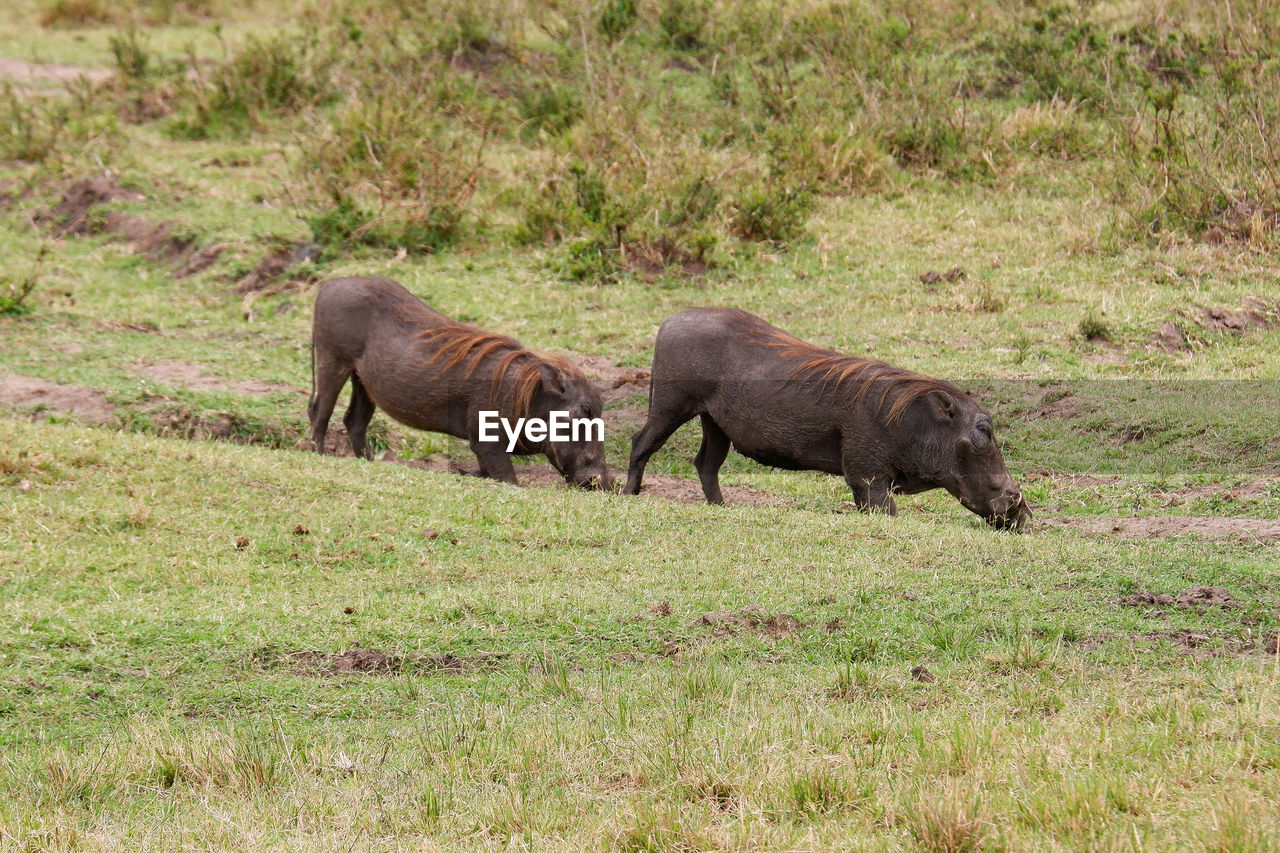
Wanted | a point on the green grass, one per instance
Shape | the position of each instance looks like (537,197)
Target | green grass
(575,671)
(148,687)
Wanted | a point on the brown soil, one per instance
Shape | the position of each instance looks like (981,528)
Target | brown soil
(1208,527)
(657,485)
(193,377)
(1253,315)
(161,242)
(27,392)
(370,662)
(753,618)
(273,266)
(1057,405)
(612,381)
(1195,597)
(933,277)
(21,71)
(1169,338)
(70,216)
(652,259)
(1252,490)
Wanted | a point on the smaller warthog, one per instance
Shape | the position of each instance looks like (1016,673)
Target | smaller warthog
(432,372)
(790,404)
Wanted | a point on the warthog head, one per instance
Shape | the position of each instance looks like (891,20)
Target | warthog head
(580,461)
(968,462)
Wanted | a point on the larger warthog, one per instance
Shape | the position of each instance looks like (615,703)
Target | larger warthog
(790,404)
(432,372)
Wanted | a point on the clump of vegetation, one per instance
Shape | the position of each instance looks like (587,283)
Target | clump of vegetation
(266,78)
(1093,327)
(665,137)
(391,172)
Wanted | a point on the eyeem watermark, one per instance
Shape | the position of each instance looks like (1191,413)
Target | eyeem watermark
(559,427)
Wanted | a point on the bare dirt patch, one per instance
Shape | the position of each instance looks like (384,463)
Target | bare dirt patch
(752,618)
(162,242)
(1057,404)
(195,378)
(27,392)
(1176,335)
(649,260)
(614,382)
(359,661)
(657,485)
(1207,527)
(1075,480)
(1193,597)
(263,278)
(21,71)
(933,276)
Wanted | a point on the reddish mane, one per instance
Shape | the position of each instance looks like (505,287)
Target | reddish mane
(856,376)
(456,343)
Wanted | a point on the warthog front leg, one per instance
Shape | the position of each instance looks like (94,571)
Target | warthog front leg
(871,494)
(495,463)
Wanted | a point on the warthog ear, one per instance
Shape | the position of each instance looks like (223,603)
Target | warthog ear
(553,379)
(942,405)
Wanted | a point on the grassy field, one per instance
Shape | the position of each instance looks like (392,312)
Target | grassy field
(211,638)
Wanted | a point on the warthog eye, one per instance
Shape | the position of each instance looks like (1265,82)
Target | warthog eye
(981,435)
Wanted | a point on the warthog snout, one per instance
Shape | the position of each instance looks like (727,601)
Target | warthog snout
(597,479)
(1009,512)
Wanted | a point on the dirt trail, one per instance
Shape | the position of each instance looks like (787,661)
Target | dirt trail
(22,71)
(657,485)
(28,392)
(196,378)
(1161,526)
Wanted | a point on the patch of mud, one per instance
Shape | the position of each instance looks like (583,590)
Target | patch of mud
(70,216)
(752,618)
(263,277)
(933,277)
(171,418)
(1169,338)
(649,260)
(1177,335)
(1075,480)
(1207,527)
(612,381)
(358,661)
(657,485)
(20,71)
(1059,404)
(162,242)
(194,378)
(27,392)
(1194,597)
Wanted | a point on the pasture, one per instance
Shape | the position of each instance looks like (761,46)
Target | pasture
(213,638)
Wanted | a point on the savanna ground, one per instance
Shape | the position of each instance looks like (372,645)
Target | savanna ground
(213,639)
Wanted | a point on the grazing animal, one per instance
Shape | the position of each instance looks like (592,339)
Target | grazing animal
(432,372)
(790,404)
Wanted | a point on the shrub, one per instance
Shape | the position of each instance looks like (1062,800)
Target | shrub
(770,213)
(390,171)
(266,78)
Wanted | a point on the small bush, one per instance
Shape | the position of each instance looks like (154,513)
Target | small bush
(1093,328)
(770,213)
(267,78)
(391,172)
(617,18)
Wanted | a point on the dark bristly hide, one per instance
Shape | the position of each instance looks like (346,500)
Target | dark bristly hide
(787,403)
(432,372)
